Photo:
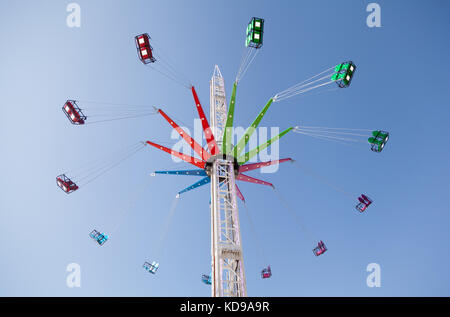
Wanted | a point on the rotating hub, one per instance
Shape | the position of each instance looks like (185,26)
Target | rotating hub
(229,158)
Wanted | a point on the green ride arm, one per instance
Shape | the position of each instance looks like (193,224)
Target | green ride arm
(240,146)
(247,156)
(228,133)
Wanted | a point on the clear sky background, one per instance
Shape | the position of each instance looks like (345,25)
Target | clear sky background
(401,85)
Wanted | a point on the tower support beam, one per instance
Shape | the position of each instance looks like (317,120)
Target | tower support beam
(227,265)
(228,274)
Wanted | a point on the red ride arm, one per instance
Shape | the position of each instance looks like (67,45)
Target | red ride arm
(184,157)
(212,145)
(253,166)
(245,178)
(194,145)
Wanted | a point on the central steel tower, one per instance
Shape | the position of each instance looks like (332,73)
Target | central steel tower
(227,265)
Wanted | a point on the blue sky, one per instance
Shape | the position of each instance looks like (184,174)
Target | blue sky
(401,85)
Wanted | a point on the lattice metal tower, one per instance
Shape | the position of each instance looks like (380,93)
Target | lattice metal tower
(227,265)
